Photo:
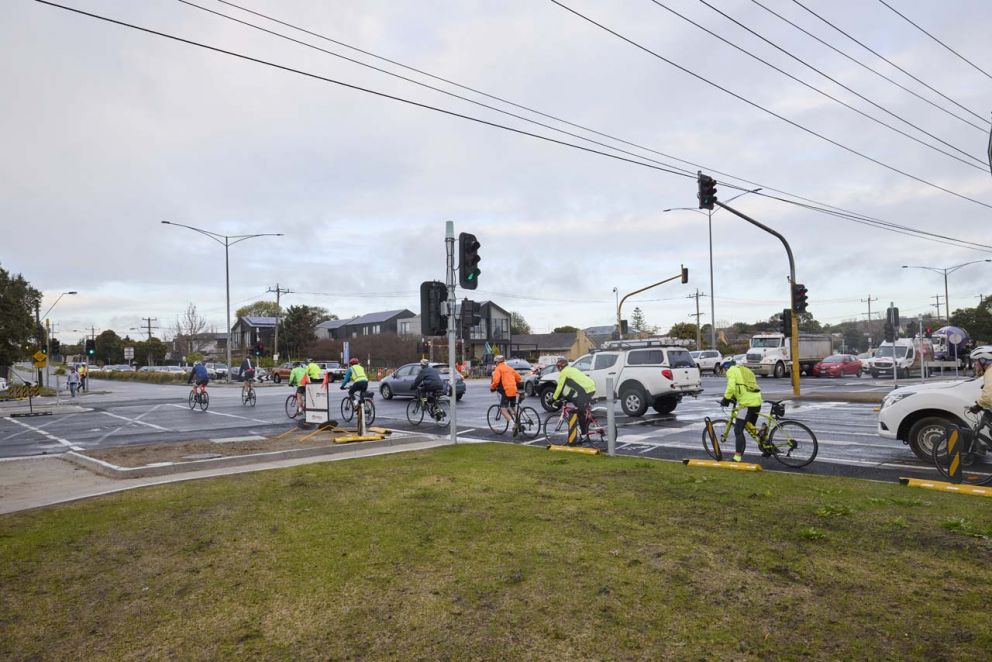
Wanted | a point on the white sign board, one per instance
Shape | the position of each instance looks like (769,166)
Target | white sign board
(128,353)
(318,404)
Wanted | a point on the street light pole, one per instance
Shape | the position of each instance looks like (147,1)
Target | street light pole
(226,243)
(945,271)
(48,338)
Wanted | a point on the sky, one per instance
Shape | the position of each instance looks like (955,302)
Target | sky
(108,131)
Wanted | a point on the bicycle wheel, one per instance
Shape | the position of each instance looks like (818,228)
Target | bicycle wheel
(192,399)
(369,407)
(975,469)
(556,429)
(528,422)
(496,421)
(792,443)
(251,398)
(204,401)
(292,408)
(415,412)
(347,408)
(722,429)
(440,414)
(598,434)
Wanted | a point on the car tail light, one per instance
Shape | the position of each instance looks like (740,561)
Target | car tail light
(667,374)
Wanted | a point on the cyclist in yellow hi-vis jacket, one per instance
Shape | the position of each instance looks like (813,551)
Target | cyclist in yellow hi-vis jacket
(742,387)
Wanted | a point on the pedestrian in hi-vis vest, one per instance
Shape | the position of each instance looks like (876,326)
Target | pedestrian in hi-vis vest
(742,388)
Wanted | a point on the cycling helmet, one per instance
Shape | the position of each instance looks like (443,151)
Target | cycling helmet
(983,354)
(424,363)
(499,358)
(309,360)
(562,361)
(353,362)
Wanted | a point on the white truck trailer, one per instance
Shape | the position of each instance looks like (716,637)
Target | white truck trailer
(770,354)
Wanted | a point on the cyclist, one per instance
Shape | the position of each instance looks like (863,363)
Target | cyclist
(200,375)
(577,388)
(313,372)
(296,376)
(429,380)
(247,375)
(742,387)
(981,358)
(356,375)
(505,381)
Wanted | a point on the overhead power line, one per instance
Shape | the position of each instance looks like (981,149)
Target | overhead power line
(771,112)
(814,207)
(876,53)
(908,20)
(814,204)
(871,69)
(983,165)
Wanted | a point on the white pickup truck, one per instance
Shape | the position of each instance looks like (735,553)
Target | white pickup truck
(643,374)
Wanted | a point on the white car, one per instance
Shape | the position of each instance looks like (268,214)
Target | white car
(916,415)
(3,384)
(708,360)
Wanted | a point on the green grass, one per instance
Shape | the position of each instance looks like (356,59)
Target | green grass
(501,552)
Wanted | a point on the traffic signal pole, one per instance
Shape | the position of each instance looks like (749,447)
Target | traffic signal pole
(794,341)
(449,241)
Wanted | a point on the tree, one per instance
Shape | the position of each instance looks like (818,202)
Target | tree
(18,300)
(683,331)
(296,329)
(637,322)
(976,321)
(109,348)
(187,331)
(566,329)
(518,325)
(150,352)
(259,309)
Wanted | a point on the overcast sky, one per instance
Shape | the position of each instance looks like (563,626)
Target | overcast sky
(107,131)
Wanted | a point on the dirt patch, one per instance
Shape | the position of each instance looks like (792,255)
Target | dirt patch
(145,454)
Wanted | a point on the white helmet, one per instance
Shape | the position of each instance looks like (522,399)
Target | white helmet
(983,354)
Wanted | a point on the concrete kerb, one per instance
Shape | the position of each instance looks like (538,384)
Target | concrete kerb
(109,470)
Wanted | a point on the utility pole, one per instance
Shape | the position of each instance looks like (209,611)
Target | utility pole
(149,321)
(699,332)
(868,301)
(275,341)
(37,333)
(937,305)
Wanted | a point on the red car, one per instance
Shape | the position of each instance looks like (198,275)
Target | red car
(838,365)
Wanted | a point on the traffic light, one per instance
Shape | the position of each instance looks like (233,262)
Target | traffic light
(259,348)
(890,332)
(623,327)
(707,191)
(800,297)
(892,315)
(433,321)
(56,346)
(471,315)
(787,323)
(468,261)
(685,275)
(90,347)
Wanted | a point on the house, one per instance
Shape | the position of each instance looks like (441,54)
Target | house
(373,324)
(600,334)
(493,330)
(409,326)
(330,330)
(249,330)
(532,345)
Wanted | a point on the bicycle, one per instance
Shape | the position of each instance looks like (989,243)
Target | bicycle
(293,408)
(198,396)
(525,419)
(556,426)
(248,394)
(976,463)
(348,407)
(788,441)
(434,406)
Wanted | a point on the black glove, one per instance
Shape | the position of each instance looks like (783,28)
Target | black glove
(724,402)
(341,389)
(974,409)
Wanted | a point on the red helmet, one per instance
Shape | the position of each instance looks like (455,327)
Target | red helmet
(353,362)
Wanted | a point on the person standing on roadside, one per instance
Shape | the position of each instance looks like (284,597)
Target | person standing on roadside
(72,380)
(83,373)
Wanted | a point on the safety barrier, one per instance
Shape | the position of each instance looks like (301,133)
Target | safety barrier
(973,490)
(20,392)
(713,464)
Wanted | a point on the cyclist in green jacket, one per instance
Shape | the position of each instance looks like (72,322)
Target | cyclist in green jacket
(295,379)
(742,387)
(577,388)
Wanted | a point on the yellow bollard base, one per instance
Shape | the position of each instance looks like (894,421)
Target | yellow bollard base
(347,438)
(574,449)
(973,490)
(713,464)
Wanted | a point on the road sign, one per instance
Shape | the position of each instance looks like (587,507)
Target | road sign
(39,356)
(128,353)
(40,364)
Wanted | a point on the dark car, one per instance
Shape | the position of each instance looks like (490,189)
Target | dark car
(400,383)
(838,365)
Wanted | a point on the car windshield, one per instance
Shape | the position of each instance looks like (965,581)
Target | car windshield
(765,342)
(834,359)
(887,351)
(695,355)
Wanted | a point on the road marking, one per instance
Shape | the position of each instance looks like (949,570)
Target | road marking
(54,420)
(231,440)
(48,435)
(139,422)
(218,413)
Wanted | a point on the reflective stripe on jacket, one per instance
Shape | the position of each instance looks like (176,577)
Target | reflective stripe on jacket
(506,377)
(573,379)
(742,386)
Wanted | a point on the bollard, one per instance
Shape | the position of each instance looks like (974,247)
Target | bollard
(573,427)
(611,420)
(955,437)
(360,416)
(717,453)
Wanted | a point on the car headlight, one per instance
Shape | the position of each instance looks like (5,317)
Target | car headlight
(892,399)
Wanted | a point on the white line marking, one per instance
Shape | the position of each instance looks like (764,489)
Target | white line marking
(48,435)
(134,420)
(218,413)
(231,440)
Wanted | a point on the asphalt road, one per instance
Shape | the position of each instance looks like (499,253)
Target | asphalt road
(122,413)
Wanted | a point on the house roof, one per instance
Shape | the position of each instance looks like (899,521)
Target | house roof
(493,304)
(373,318)
(544,341)
(333,324)
(599,330)
(252,320)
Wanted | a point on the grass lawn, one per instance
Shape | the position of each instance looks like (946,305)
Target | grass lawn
(501,552)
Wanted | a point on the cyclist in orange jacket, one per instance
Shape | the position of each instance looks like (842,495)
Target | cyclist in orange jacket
(505,381)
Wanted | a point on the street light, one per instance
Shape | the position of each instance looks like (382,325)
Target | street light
(945,271)
(709,215)
(228,241)
(48,337)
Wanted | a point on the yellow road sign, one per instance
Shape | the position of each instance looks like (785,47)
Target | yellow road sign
(39,357)
(40,364)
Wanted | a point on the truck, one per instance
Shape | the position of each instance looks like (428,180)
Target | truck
(770,354)
(950,343)
(913,357)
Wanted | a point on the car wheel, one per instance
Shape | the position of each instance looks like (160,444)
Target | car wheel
(925,432)
(633,400)
(665,405)
(546,398)
(386,392)
(858,373)
(529,389)
(276,379)
(779,370)
(874,374)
